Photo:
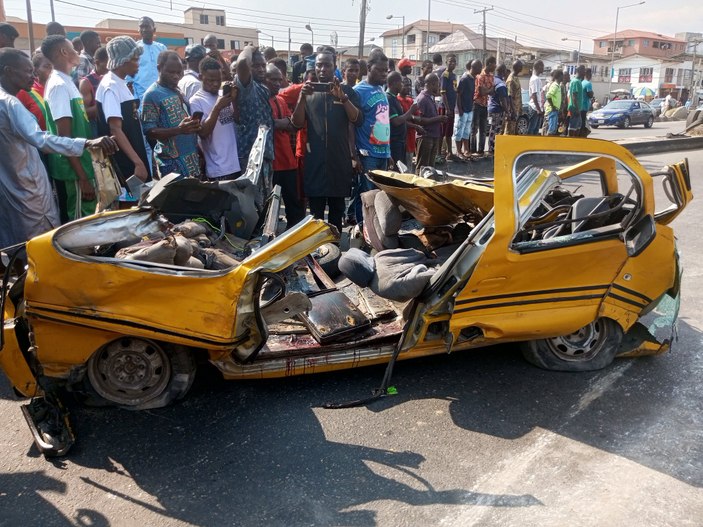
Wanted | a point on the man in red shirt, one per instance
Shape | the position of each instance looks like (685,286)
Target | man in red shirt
(285,165)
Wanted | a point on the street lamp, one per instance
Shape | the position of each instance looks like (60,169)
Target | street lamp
(266,35)
(578,54)
(402,34)
(312,35)
(615,37)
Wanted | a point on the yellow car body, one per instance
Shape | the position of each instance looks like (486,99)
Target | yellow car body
(498,286)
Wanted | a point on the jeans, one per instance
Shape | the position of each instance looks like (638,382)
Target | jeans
(364,185)
(462,126)
(553,120)
(478,129)
(535,122)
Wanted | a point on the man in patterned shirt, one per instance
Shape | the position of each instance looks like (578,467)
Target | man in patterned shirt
(167,123)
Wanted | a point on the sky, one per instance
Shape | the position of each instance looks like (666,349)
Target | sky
(543,27)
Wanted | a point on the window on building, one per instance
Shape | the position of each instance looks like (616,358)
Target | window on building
(602,44)
(220,43)
(686,77)
(630,42)
(394,42)
(412,57)
(234,44)
(679,76)
(433,39)
(646,74)
(669,75)
(411,39)
(624,75)
(655,44)
(645,43)
(204,19)
(220,20)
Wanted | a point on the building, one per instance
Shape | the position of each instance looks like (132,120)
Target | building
(644,43)
(197,24)
(412,40)
(173,40)
(663,76)
(468,45)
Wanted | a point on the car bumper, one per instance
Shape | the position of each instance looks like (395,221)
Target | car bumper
(606,121)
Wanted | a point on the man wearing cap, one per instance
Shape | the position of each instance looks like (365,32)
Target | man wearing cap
(191,82)
(118,108)
(405,67)
(8,34)
(28,206)
(151,49)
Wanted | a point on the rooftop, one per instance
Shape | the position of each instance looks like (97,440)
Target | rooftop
(633,33)
(435,27)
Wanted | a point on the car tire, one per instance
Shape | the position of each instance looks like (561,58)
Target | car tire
(139,374)
(626,122)
(522,125)
(328,257)
(592,347)
(594,126)
(649,122)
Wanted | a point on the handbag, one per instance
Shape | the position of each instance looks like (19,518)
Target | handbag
(107,185)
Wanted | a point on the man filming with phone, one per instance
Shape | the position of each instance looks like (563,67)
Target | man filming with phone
(217,115)
(328,108)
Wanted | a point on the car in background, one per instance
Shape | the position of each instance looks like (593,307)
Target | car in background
(623,114)
(656,105)
(523,120)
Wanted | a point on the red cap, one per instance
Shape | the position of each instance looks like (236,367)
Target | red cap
(405,62)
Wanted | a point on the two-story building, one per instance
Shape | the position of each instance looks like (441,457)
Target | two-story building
(197,24)
(467,45)
(633,42)
(412,40)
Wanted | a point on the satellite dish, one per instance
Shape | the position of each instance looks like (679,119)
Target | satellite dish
(334,38)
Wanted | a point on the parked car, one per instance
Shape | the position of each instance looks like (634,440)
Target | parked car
(524,120)
(565,253)
(656,105)
(623,114)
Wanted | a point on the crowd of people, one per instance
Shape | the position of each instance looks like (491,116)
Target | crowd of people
(199,116)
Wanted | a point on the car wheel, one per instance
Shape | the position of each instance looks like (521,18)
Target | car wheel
(328,257)
(649,122)
(140,374)
(626,122)
(595,126)
(522,125)
(592,347)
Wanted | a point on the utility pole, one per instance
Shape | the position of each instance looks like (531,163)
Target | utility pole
(53,15)
(30,27)
(693,90)
(483,11)
(289,50)
(362,27)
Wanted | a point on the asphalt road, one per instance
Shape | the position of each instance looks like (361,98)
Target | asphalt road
(475,438)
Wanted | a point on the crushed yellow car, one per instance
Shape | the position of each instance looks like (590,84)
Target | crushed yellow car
(571,254)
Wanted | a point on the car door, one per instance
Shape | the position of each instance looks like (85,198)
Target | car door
(501,289)
(635,113)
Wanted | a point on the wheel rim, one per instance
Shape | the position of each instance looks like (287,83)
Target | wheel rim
(626,122)
(582,345)
(650,122)
(129,371)
(522,127)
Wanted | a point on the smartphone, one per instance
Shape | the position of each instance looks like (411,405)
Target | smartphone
(321,86)
(226,89)
(198,116)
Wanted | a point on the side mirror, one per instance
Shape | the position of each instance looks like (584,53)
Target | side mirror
(638,237)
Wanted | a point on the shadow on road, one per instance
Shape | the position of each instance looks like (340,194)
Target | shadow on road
(256,451)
